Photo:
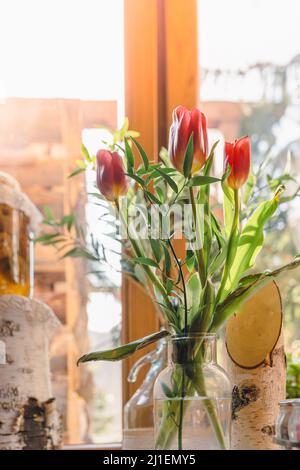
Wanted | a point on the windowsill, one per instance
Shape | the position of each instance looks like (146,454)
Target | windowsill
(108,446)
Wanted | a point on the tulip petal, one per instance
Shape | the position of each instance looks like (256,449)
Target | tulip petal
(111,179)
(185,123)
(237,155)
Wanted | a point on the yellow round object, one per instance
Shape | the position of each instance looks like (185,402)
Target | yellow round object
(253,331)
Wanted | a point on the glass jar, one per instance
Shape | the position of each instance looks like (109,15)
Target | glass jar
(192,397)
(19,221)
(138,411)
(15,252)
(282,422)
(294,422)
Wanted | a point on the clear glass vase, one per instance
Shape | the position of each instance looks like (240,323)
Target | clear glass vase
(138,411)
(192,397)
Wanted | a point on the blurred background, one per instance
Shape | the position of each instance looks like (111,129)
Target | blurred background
(69,69)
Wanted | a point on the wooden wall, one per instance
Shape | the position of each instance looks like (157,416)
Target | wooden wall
(40,141)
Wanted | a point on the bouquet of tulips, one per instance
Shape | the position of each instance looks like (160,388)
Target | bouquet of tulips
(199,282)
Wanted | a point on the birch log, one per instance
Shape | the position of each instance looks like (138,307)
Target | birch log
(257,390)
(28,418)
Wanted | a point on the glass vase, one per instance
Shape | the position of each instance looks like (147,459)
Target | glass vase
(192,397)
(138,411)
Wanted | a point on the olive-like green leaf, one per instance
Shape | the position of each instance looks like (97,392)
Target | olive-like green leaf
(190,261)
(142,153)
(169,285)
(202,180)
(188,157)
(160,193)
(152,197)
(193,291)
(142,171)
(137,178)
(168,179)
(76,172)
(168,262)
(216,229)
(79,252)
(124,351)
(46,237)
(49,213)
(145,261)
(130,157)
(85,153)
(156,248)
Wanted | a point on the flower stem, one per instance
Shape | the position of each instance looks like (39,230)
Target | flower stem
(231,249)
(199,384)
(183,287)
(199,252)
(180,425)
(172,420)
(154,279)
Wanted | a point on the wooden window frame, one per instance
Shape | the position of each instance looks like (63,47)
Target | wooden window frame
(161,72)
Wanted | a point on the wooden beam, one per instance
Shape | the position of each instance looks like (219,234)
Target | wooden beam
(161,71)
(182,64)
(141,107)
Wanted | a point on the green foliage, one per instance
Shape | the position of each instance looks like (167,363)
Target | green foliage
(142,153)
(124,351)
(188,157)
(250,241)
(186,291)
(202,180)
(293,376)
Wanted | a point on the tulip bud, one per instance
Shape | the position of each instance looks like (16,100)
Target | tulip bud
(111,179)
(237,155)
(185,123)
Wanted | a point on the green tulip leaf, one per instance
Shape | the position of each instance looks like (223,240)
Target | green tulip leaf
(248,286)
(193,291)
(228,202)
(124,351)
(188,157)
(251,240)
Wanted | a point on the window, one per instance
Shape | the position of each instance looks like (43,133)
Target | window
(61,75)
(255,89)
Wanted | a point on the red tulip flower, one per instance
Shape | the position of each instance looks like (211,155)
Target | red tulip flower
(184,123)
(237,155)
(111,179)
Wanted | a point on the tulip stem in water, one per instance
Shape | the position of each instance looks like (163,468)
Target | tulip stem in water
(181,412)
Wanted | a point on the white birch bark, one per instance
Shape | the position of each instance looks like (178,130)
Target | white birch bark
(255,400)
(28,418)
